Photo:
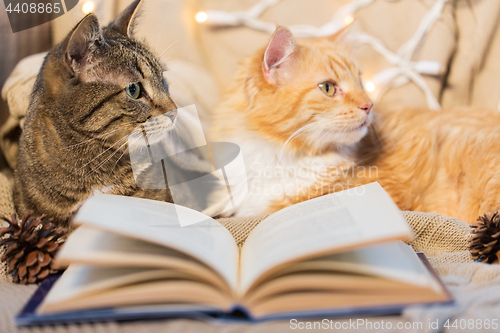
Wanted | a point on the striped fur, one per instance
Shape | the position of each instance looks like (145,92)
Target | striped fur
(74,140)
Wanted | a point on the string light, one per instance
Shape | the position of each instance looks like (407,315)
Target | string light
(348,20)
(201,17)
(88,7)
(369,86)
(404,70)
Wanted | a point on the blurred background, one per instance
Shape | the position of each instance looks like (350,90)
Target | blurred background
(413,53)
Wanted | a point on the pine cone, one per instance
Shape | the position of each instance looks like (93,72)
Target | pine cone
(31,244)
(485,240)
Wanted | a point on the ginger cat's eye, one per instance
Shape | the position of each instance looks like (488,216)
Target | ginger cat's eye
(328,87)
(134,90)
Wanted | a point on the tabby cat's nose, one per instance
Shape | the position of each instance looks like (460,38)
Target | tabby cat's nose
(367,107)
(172,115)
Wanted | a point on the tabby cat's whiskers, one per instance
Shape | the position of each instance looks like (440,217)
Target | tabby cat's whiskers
(97,137)
(107,83)
(93,159)
(118,160)
(161,32)
(105,160)
(169,47)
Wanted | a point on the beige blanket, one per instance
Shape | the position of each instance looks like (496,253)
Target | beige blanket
(476,286)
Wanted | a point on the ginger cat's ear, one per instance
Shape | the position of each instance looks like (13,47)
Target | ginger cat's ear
(279,55)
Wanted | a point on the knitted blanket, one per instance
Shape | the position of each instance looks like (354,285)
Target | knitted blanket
(476,286)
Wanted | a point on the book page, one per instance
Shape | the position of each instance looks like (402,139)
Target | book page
(81,280)
(85,287)
(157,222)
(394,261)
(95,247)
(324,225)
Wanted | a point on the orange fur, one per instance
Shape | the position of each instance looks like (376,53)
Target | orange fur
(445,162)
(275,112)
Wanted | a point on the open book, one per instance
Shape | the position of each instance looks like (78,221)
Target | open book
(327,255)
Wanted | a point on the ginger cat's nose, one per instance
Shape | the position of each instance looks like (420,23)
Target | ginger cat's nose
(367,107)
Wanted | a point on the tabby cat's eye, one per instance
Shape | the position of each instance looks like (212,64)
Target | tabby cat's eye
(134,90)
(328,87)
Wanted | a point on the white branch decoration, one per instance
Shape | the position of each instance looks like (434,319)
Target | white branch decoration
(404,71)
(250,19)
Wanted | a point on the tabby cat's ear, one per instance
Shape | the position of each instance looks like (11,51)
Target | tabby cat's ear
(81,41)
(279,55)
(124,23)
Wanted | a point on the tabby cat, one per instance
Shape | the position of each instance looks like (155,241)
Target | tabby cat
(93,89)
(306,128)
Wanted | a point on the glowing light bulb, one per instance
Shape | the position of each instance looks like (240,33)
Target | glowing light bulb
(201,17)
(348,20)
(88,7)
(369,86)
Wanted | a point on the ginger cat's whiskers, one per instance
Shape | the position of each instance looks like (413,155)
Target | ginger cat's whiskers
(286,113)
(294,135)
(445,162)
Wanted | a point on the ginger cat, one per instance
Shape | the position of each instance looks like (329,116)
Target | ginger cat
(306,128)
